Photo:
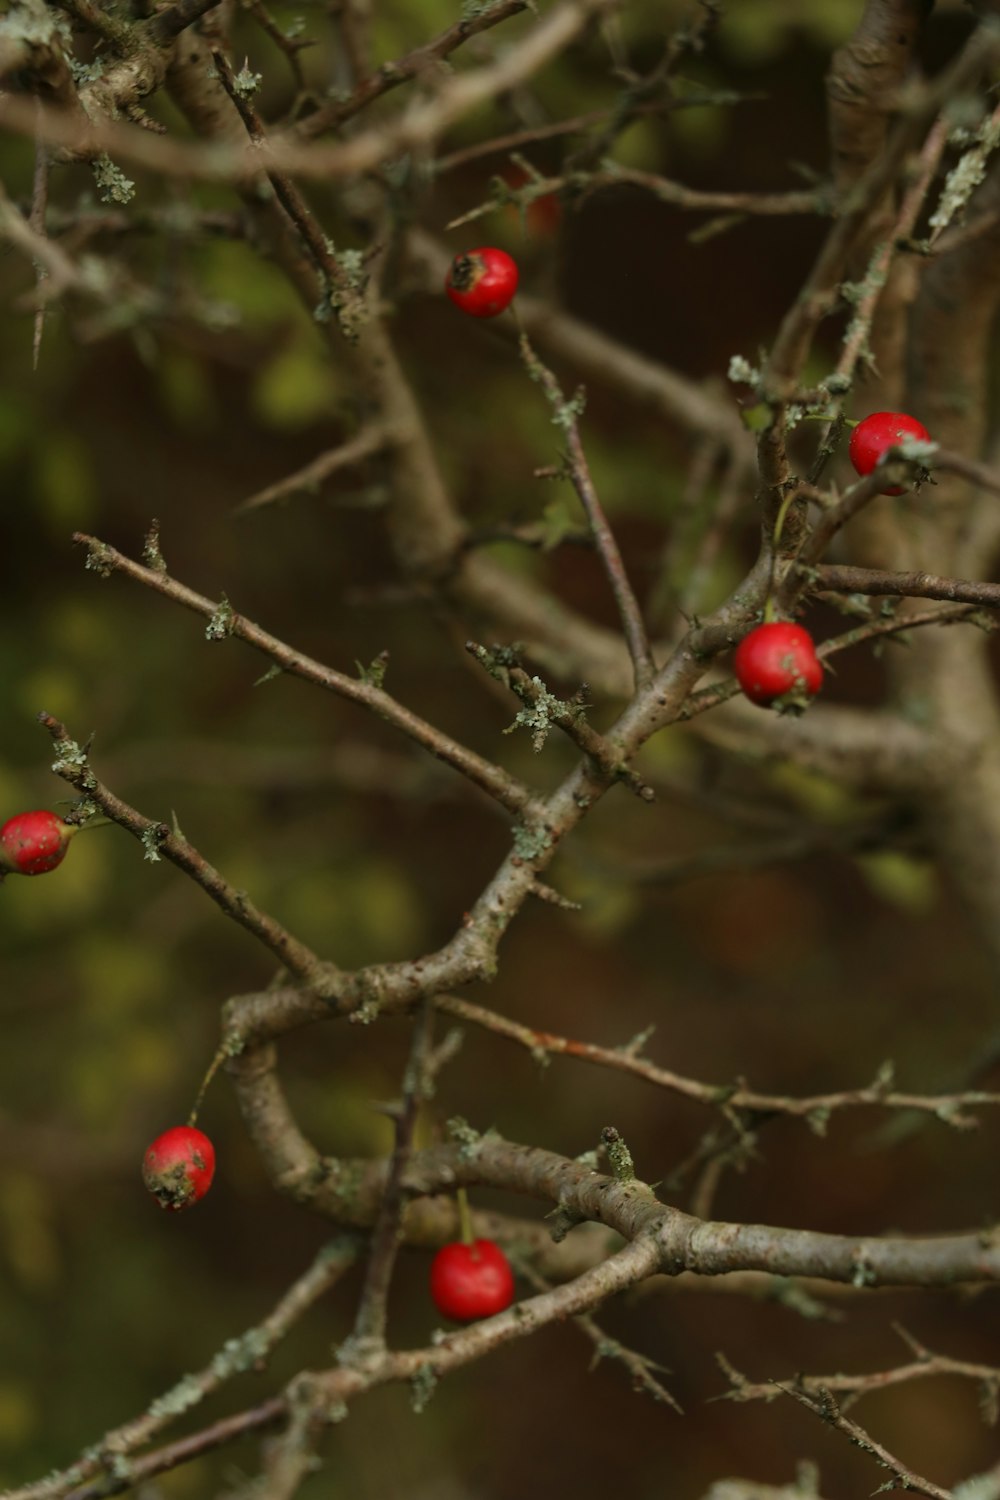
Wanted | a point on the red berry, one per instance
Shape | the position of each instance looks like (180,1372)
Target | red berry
(471,1281)
(32,843)
(482,282)
(873,438)
(777,663)
(179,1166)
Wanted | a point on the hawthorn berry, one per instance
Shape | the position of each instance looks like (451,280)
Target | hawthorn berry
(873,437)
(471,1280)
(179,1166)
(482,282)
(32,843)
(777,664)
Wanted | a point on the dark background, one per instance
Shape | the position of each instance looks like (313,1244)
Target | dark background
(801,977)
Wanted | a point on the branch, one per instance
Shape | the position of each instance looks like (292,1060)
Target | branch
(628,608)
(840,579)
(515,797)
(826,1407)
(370,440)
(248,1352)
(815,1108)
(73,765)
(415,64)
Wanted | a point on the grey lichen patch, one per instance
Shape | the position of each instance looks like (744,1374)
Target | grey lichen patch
(566,414)
(82,811)
(241,1354)
(966,176)
(151,839)
(180,1398)
(531,843)
(247,82)
(742,372)
(367,997)
(345,294)
(618,1154)
(100,559)
(464,1136)
(69,757)
(112,184)
(423,1384)
(222,622)
(151,554)
(540,715)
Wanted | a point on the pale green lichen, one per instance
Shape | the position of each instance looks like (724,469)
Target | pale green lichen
(151,554)
(112,184)
(531,843)
(151,840)
(100,559)
(222,622)
(247,82)
(618,1154)
(69,756)
(464,1136)
(423,1384)
(742,372)
(966,176)
(540,714)
(180,1398)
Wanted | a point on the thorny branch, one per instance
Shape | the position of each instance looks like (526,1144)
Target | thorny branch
(885,184)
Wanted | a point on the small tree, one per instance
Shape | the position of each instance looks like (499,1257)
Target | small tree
(336,177)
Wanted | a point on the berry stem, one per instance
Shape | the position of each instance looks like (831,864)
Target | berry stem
(213,1067)
(770,608)
(464,1216)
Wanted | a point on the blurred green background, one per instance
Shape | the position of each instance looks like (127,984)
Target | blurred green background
(178,402)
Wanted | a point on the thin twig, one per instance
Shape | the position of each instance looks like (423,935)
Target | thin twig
(582,185)
(371,439)
(412,65)
(73,765)
(826,1407)
(370,1322)
(509,792)
(738,1096)
(248,1352)
(579,472)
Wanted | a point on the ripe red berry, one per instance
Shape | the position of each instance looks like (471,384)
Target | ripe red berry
(32,843)
(873,438)
(179,1166)
(471,1281)
(777,664)
(482,282)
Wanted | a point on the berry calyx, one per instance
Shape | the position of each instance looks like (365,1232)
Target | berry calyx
(776,666)
(482,282)
(179,1166)
(471,1280)
(32,843)
(873,437)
